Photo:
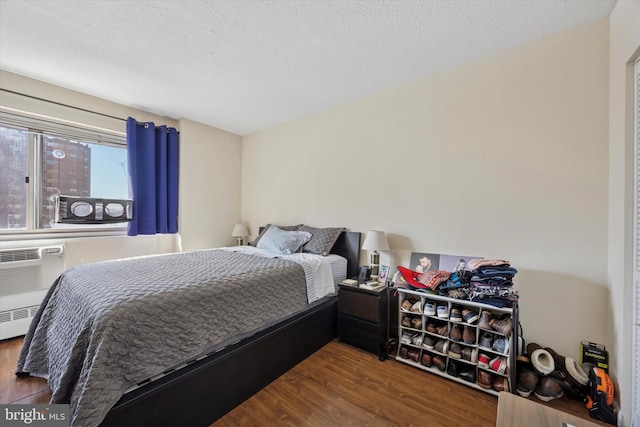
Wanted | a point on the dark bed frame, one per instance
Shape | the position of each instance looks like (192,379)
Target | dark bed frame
(205,390)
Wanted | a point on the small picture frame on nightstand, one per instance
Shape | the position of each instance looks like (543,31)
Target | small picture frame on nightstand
(383,274)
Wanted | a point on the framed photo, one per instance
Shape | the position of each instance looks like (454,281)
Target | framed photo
(383,273)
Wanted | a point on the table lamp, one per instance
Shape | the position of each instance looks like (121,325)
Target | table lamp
(239,232)
(375,241)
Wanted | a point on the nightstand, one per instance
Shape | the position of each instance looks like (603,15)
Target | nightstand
(363,318)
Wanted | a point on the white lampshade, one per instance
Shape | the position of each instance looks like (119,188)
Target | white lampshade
(376,241)
(239,230)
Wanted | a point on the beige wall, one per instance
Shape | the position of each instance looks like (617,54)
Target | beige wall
(503,157)
(624,49)
(210,169)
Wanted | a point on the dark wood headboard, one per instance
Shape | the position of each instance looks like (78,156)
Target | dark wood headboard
(347,246)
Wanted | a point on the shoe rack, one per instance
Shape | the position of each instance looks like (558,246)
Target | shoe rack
(471,351)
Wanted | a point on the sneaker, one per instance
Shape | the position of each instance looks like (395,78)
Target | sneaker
(426,360)
(469,316)
(442,329)
(442,346)
(414,354)
(428,342)
(501,345)
(406,338)
(430,308)
(455,350)
(498,364)
(417,340)
(470,354)
(548,390)
(485,379)
(455,333)
(527,382)
(455,315)
(485,319)
(486,340)
(406,305)
(503,326)
(416,307)
(443,311)
(469,335)
(483,360)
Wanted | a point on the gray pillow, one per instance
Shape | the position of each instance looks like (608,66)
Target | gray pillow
(322,239)
(278,241)
(281,227)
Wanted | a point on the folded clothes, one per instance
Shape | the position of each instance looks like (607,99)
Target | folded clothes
(493,271)
(500,282)
(475,263)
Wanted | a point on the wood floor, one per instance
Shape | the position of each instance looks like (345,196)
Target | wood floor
(337,385)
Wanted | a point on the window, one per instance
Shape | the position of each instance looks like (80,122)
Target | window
(39,160)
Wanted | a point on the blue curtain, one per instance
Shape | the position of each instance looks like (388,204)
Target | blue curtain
(153,170)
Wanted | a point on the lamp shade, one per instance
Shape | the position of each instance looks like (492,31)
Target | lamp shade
(376,241)
(239,230)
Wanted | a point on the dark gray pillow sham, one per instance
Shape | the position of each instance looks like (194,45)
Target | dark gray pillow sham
(322,239)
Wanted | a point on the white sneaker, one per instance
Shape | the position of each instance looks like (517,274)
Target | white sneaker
(430,308)
(443,311)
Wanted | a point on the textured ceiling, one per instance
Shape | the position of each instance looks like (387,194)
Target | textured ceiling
(245,66)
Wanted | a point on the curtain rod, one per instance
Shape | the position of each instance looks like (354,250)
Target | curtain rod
(63,105)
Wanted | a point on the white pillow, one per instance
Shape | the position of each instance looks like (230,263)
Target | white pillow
(278,241)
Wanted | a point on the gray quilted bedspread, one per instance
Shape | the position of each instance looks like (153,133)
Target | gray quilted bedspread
(105,327)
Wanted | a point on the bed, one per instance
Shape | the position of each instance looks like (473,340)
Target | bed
(186,349)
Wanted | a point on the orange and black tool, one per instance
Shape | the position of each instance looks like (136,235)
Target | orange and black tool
(600,400)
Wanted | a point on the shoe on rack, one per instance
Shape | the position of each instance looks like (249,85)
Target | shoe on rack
(456,332)
(468,375)
(483,360)
(442,329)
(503,326)
(404,352)
(470,354)
(438,362)
(416,322)
(527,382)
(406,305)
(501,345)
(443,311)
(406,321)
(426,360)
(455,315)
(485,379)
(406,338)
(414,354)
(431,327)
(442,346)
(430,308)
(417,340)
(455,350)
(498,364)
(469,316)
(485,320)
(548,390)
(469,335)
(416,307)
(452,368)
(486,340)
(500,384)
(428,342)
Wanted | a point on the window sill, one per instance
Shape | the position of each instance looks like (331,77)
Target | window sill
(62,233)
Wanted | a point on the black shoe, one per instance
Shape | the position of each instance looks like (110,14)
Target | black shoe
(452,368)
(468,375)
